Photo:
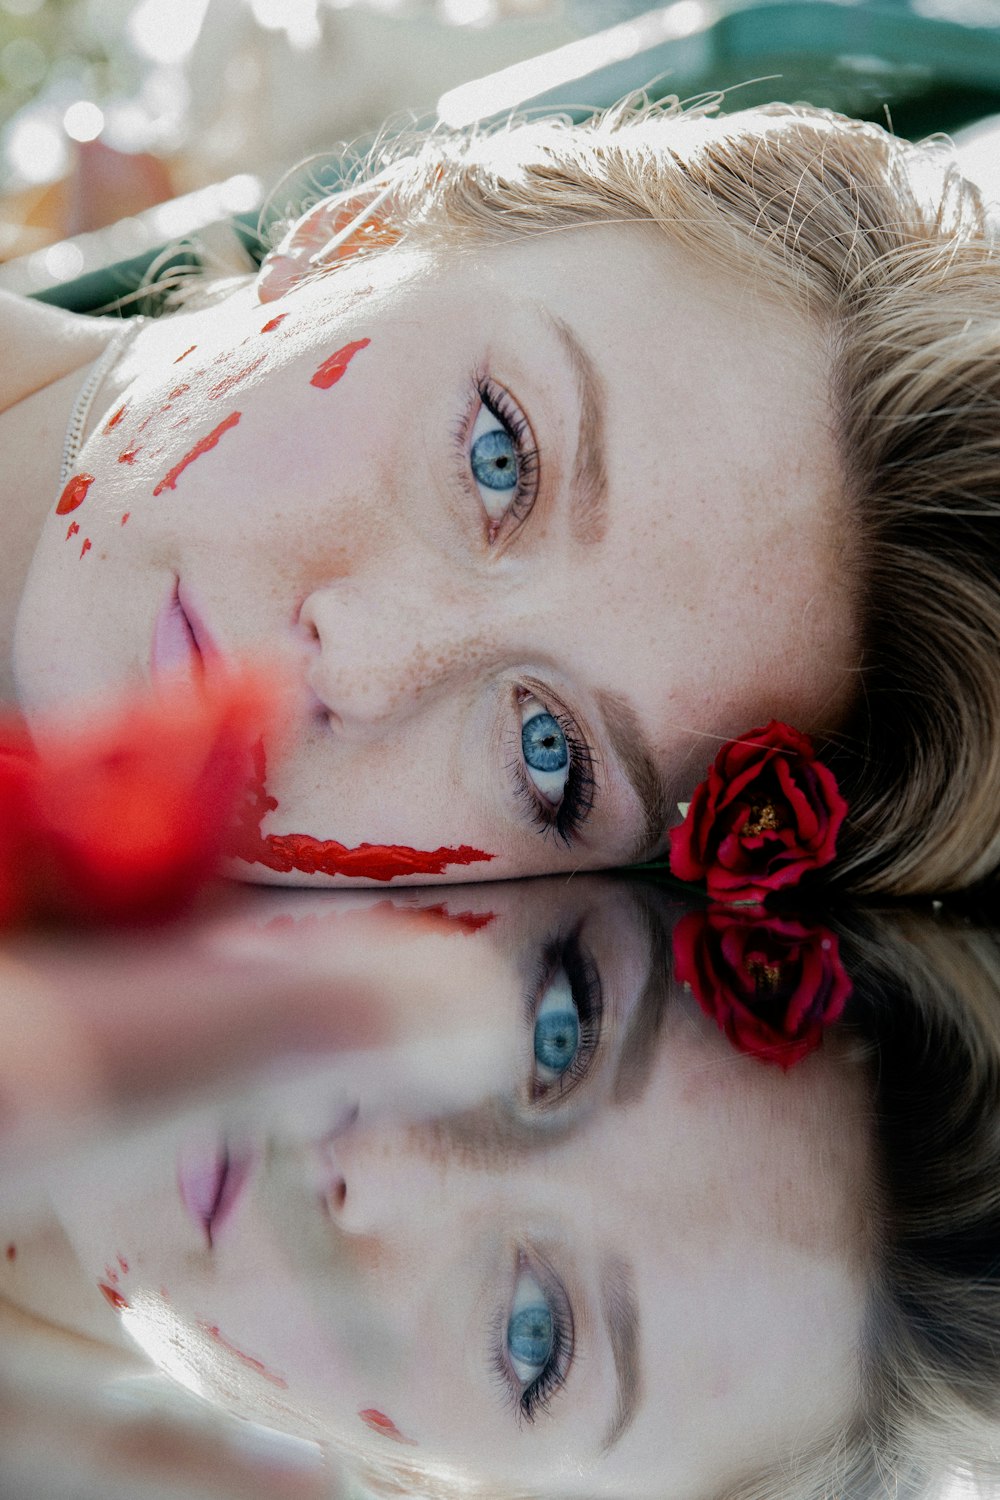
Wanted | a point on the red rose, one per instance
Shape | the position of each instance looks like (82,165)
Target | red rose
(125,818)
(767,813)
(772,984)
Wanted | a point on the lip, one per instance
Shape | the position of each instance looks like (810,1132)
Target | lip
(212,1178)
(183,645)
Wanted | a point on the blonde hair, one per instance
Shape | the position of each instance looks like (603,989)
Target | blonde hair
(883,246)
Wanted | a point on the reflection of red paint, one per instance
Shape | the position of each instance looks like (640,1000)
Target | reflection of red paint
(169,481)
(114,419)
(333,368)
(247,1359)
(111,1295)
(12,1252)
(230,382)
(273,323)
(466,921)
(74,527)
(128,456)
(185,354)
(126,516)
(379,1422)
(86,546)
(300,851)
(74,494)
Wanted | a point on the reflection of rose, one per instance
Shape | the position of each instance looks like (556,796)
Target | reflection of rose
(772,984)
(766,814)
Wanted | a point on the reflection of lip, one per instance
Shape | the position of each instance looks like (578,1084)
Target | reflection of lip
(211,1179)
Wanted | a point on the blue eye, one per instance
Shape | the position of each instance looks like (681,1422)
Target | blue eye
(531,1331)
(544,744)
(494,459)
(557,1029)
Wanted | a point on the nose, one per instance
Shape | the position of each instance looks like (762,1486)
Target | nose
(380,652)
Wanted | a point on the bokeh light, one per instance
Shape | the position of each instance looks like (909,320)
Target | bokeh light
(83,121)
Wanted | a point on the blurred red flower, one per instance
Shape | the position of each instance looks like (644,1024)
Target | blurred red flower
(772,984)
(767,814)
(122,819)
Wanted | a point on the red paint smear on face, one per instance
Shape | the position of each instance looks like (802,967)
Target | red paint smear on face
(111,1295)
(230,382)
(204,445)
(74,527)
(126,516)
(86,546)
(74,494)
(273,323)
(114,419)
(175,395)
(185,354)
(111,1275)
(333,368)
(123,1263)
(12,1252)
(128,456)
(379,1422)
(247,1359)
(300,851)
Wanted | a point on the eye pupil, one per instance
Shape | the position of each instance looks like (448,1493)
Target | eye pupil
(493,459)
(544,744)
(557,1037)
(530,1335)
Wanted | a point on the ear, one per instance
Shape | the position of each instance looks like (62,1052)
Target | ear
(332,230)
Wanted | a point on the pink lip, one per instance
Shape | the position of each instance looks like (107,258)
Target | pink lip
(182,643)
(211,1178)
(203,638)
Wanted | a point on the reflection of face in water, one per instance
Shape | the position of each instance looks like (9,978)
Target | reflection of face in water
(634,1265)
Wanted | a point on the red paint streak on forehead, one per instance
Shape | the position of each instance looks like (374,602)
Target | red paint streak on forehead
(379,1422)
(86,546)
(333,368)
(230,382)
(204,445)
(74,494)
(274,323)
(74,527)
(126,516)
(114,419)
(110,1294)
(185,354)
(212,1330)
(285,852)
(129,454)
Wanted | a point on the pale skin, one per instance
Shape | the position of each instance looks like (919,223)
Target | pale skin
(704,1230)
(670,570)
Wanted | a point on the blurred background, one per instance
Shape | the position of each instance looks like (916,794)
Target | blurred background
(164,118)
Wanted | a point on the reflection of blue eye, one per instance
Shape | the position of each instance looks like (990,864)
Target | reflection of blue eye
(494,459)
(530,1336)
(557,1035)
(544,744)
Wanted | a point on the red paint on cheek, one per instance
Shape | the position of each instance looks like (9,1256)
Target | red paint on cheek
(188,351)
(86,546)
(176,394)
(300,851)
(379,1422)
(129,454)
(123,1263)
(274,323)
(12,1252)
(247,1359)
(126,516)
(209,441)
(74,527)
(114,419)
(74,494)
(333,368)
(230,382)
(111,1295)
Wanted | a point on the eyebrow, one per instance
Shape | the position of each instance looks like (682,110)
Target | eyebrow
(621,1314)
(589,485)
(655,791)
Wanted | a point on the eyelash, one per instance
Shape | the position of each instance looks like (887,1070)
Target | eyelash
(537,1395)
(569,955)
(566,820)
(502,405)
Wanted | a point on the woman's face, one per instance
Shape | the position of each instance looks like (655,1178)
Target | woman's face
(527,528)
(640,1276)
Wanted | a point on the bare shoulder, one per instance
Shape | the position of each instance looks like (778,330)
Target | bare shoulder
(41,344)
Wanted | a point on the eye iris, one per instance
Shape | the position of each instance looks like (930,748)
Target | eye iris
(557,1037)
(530,1335)
(494,460)
(544,744)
